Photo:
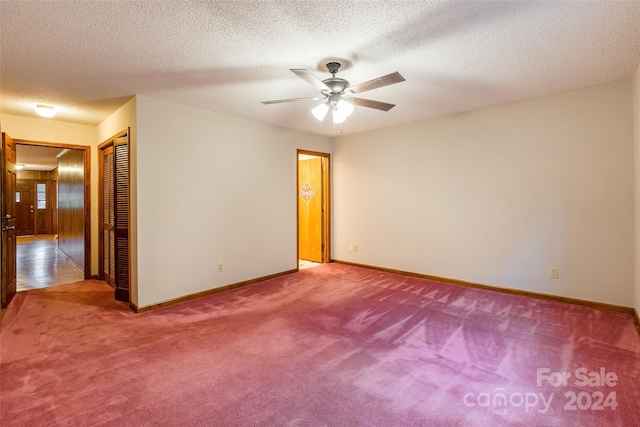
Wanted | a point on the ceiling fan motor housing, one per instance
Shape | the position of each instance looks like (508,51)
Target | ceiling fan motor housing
(336,84)
(333,67)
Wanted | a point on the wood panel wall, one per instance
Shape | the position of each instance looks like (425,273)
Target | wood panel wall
(34,175)
(71,205)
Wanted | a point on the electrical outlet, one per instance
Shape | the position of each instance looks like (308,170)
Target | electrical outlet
(353,248)
(219,267)
(554,273)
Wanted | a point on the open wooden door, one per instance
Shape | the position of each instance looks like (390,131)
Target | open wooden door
(310,223)
(8,209)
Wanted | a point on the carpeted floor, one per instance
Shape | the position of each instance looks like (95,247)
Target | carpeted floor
(333,345)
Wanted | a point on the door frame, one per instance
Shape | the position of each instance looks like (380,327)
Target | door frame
(87,191)
(326,204)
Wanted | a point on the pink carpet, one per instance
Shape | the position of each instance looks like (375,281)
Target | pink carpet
(329,346)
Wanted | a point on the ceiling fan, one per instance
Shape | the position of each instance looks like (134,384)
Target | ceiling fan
(339,94)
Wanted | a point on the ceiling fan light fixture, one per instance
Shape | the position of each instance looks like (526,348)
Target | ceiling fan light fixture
(344,107)
(320,112)
(45,110)
(338,116)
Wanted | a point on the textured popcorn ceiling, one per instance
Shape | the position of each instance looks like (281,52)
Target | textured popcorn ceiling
(88,58)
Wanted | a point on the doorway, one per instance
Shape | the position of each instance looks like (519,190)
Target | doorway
(53,204)
(77,218)
(313,208)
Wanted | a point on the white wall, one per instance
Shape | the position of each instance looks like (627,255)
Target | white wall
(48,130)
(636,139)
(213,188)
(123,118)
(499,195)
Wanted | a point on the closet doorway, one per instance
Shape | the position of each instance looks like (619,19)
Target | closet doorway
(113,214)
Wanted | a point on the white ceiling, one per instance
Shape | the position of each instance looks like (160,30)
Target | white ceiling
(89,57)
(37,158)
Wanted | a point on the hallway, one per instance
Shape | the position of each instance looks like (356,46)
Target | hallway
(40,264)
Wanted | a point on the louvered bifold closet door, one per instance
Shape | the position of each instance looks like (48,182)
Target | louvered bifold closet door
(108,216)
(121,193)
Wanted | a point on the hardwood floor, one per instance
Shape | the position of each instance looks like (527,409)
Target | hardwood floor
(303,264)
(41,265)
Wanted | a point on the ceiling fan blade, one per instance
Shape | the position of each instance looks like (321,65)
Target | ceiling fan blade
(278,101)
(311,79)
(387,80)
(373,104)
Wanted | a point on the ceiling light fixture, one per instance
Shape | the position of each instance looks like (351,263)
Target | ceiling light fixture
(340,109)
(45,110)
(321,111)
